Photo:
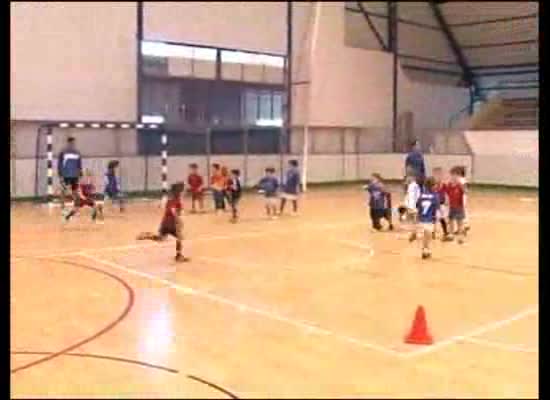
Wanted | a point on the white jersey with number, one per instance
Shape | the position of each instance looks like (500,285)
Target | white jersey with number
(412,196)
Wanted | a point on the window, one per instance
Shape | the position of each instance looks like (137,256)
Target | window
(241,57)
(263,108)
(160,49)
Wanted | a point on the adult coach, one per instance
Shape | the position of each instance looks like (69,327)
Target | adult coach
(69,167)
(414,163)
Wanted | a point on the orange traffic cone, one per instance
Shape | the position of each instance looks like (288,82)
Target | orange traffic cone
(419,331)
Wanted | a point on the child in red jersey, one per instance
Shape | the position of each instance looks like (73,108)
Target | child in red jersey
(455,193)
(440,187)
(196,187)
(171,223)
(86,196)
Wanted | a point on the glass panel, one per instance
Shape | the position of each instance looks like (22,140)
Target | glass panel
(250,107)
(278,106)
(265,106)
(200,53)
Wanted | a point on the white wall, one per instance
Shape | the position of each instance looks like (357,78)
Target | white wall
(505,157)
(250,25)
(73,60)
(353,87)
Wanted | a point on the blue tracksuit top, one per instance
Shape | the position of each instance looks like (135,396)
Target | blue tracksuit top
(415,160)
(69,163)
(269,184)
(292,183)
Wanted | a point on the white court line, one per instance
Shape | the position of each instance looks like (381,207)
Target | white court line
(357,245)
(478,331)
(140,246)
(502,346)
(308,327)
(306,227)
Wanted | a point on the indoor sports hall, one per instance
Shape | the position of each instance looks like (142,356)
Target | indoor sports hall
(281,279)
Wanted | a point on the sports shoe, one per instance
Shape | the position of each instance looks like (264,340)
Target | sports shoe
(412,237)
(182,258)
(447,238)
(426,254)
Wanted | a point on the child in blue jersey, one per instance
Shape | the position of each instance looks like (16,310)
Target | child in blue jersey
(379,202)
(268,186)
(427,214)
(291,187)
(112,189)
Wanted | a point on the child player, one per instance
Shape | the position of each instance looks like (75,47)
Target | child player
(171,223)
(113,189)
(233,192)
(455,193)
(440,187)
(462,173)
(196,187)
(86,197)
(428,208)
(269,185)
(217,183)
(408,210)
(291,187)
(379,202)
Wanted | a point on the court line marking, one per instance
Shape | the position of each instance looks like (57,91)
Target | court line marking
(307,326)
(491,326)
(519,348)
(508,273)
(306,228)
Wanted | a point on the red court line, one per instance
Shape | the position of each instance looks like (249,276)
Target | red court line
(107,328)
(102,357)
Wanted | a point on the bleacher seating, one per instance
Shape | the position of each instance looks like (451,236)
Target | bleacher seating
(510,114)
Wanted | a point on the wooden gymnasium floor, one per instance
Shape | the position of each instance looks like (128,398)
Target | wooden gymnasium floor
(313,306)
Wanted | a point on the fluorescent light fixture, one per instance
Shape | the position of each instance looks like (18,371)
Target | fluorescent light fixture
(152,119)
(64,125)
(125,126)
(96,125)
(80,125)
(153,126)
(110,126)
(139,126)
(269,122)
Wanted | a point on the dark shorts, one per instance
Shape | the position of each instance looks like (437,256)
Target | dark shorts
(377,215)
(113,195)
(71,183)
(168,227)
(456,214)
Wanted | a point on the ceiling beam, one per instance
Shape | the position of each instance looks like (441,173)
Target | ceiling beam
(467,74)
(507,73)
(432,70)
(504,66)
(372,27)
(503,44)
(493,21)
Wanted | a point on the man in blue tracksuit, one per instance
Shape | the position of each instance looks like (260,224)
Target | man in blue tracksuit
(69,167)
(414,164)
(291,187)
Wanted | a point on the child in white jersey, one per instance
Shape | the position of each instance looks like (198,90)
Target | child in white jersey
(463,181)
(408,211)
